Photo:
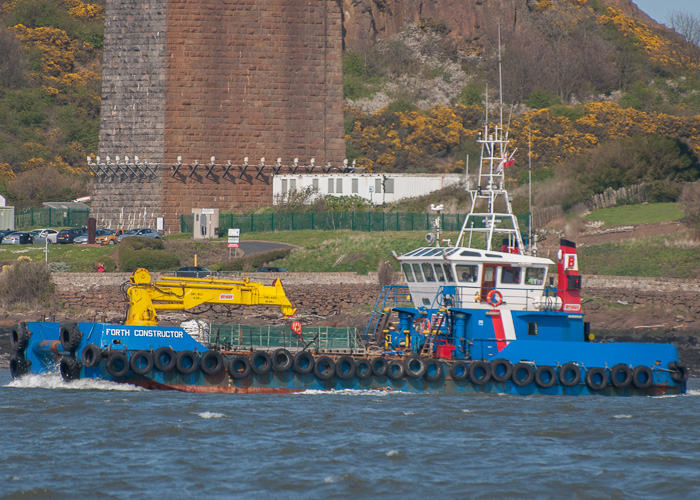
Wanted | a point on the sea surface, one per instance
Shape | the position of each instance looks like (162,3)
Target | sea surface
(91,439)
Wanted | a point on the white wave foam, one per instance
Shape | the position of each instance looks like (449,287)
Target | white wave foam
(350,392)
(329,480)
(407,413)
(393,453)
(622,416)
(55,381)
(210,414)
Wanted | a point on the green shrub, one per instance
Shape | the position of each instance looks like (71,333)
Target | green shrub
(541,98)
(26,283)
(140,243)
(136,252)
(252,262)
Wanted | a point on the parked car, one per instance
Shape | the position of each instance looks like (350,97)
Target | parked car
(109,239)
(17,238)
(5,232)
(83,239)
(271,270)
(68,235)
(194,272)
(143,232)
(41,235)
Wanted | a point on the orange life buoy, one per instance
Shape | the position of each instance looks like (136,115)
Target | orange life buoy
(422,325)
(494,298)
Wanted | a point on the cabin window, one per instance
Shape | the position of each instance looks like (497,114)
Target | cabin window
(439,273)
(389,186)
(428,272)
(331,185)
(314,185)
(510,275)
(532,329)
(448,274)
(339,186)
(534,276)
(467,273)
(355,186)
(292,184)
(416,271)
(284,186)
(407,272)
(377,186)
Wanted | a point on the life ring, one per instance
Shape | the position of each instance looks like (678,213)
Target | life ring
(596,378)
(91,356)
(679,373)
(414,366)
(164,359)
(569,375)
(186,362)
(422,325)
(282,360)
(324,367)
(523,374)
(303,362)
(70,369)
(395,370)
(363,368)
(479,372)
(545,376)
(501,369)
(642,377)
(141,362)
(18,365)
(70,336)
(239,367)
(459,370)
(260,362)
(117,364)
(621,376)
(19,337)
(345,367)
(433,370)
(379,367)
(212,362)
(494,298)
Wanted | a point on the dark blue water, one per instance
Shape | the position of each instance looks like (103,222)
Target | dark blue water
(98,440)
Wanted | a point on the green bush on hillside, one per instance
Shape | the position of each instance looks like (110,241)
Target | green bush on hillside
(36,288)
(136,252)
(252,262)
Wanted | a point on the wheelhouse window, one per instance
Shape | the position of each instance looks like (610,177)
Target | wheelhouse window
(534,275)
(448,273)
(510,275)
(467,273)
(418,273)
(439,273)
(407,272)
(428,272)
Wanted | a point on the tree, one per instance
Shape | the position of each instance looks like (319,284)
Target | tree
(13,68)
(687,49)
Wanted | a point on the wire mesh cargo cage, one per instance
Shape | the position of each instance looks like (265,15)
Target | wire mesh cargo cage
(318,338)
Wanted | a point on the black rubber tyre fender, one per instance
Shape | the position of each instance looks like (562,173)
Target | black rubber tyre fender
(679,373)
(621,376)
(324,367)
(414,366)
(501,369)
(642,377)
(569,375)
(479,372)
(141,362)
(164,359)
(117,364)
(212,362)
(545,376)
(433,370)
(596,373)
(19,337)
(186,362)
(395,370)
(523,374)
(260,362)
(303,363)
(70,336)
(282,360)
(18,365)
(91,356)
(379,367)
(459,370)
(345,367)
(363,368)
(239,367)
(70,369)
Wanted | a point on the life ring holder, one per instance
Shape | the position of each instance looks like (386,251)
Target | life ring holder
(494,298)
(422,325)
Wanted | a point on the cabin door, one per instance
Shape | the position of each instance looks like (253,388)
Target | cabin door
(488,280)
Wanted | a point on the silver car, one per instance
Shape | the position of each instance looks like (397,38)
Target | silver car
(142,232)
(41,235)
(82,240)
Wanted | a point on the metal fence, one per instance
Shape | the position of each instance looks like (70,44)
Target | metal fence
(51,217)
(353,221)
(270,337)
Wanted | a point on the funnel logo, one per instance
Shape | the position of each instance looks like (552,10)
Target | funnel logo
(226,296)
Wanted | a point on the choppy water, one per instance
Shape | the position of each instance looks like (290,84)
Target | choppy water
(102,440)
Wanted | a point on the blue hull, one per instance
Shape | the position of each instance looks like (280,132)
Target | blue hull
(521,367)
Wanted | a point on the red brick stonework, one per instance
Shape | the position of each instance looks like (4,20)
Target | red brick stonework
(202,78)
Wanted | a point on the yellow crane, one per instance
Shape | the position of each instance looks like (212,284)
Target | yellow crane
(171,293)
